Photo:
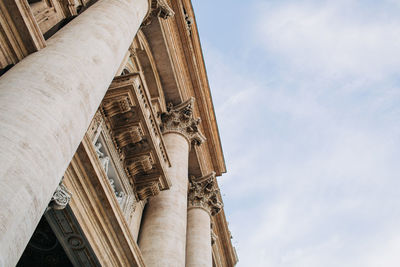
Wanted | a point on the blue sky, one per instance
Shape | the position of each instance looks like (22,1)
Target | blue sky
(307,99)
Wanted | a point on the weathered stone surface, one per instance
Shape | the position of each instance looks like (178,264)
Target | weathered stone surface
(198,242)
(203,193)
(162,237)
(46,104)
(180,119)
(203,202)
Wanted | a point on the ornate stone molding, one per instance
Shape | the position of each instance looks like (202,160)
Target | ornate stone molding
(180,119)
(159,8)
(130,119)
(60,198)
(203,193)
(147,190)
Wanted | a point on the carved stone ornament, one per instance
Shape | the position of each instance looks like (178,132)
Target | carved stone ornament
(213,237)
(180,119)
(61,197)
(159,8)
(203,193)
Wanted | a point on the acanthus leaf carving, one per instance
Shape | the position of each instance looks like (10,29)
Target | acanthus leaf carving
(203,193)
(159,8)
(164,10)
(180,119)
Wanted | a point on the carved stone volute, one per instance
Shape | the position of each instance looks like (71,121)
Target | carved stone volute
(60,198)
(180,119)
(203,193)
(159,8)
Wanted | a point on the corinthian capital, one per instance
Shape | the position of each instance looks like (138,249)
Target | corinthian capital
(203,193)
(180,119)
(158,8)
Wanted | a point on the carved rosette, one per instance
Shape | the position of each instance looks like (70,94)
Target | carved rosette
(60,198)
(203,193)
(180,119)
(159,8)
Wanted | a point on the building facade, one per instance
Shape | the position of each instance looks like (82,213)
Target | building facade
(110,146)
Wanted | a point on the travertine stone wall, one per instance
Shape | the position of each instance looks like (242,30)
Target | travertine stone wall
(162,236)
(46,104)
(198,242)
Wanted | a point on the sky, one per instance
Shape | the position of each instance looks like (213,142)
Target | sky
(307,98)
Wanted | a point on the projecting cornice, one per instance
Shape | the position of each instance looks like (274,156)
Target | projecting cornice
(180,119)
(180,65)
(131,121)
(203,193)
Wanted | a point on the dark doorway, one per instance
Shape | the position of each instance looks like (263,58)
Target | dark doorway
(44,249)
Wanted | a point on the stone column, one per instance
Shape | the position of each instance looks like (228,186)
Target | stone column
(202,203)
(46,104)
(162,237)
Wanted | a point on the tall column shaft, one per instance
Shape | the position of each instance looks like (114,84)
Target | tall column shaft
(198,242)
(203,202)
(162,236)
(46,104)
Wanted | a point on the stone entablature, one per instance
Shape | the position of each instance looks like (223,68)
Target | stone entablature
(131,121)
(179,119)
(203,193)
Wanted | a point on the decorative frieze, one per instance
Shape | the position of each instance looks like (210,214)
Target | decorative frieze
(203,193)
(60,198)
(105,163)
(180,119)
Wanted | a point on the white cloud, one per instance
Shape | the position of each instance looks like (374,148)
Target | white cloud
(332,37)
(312,143)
